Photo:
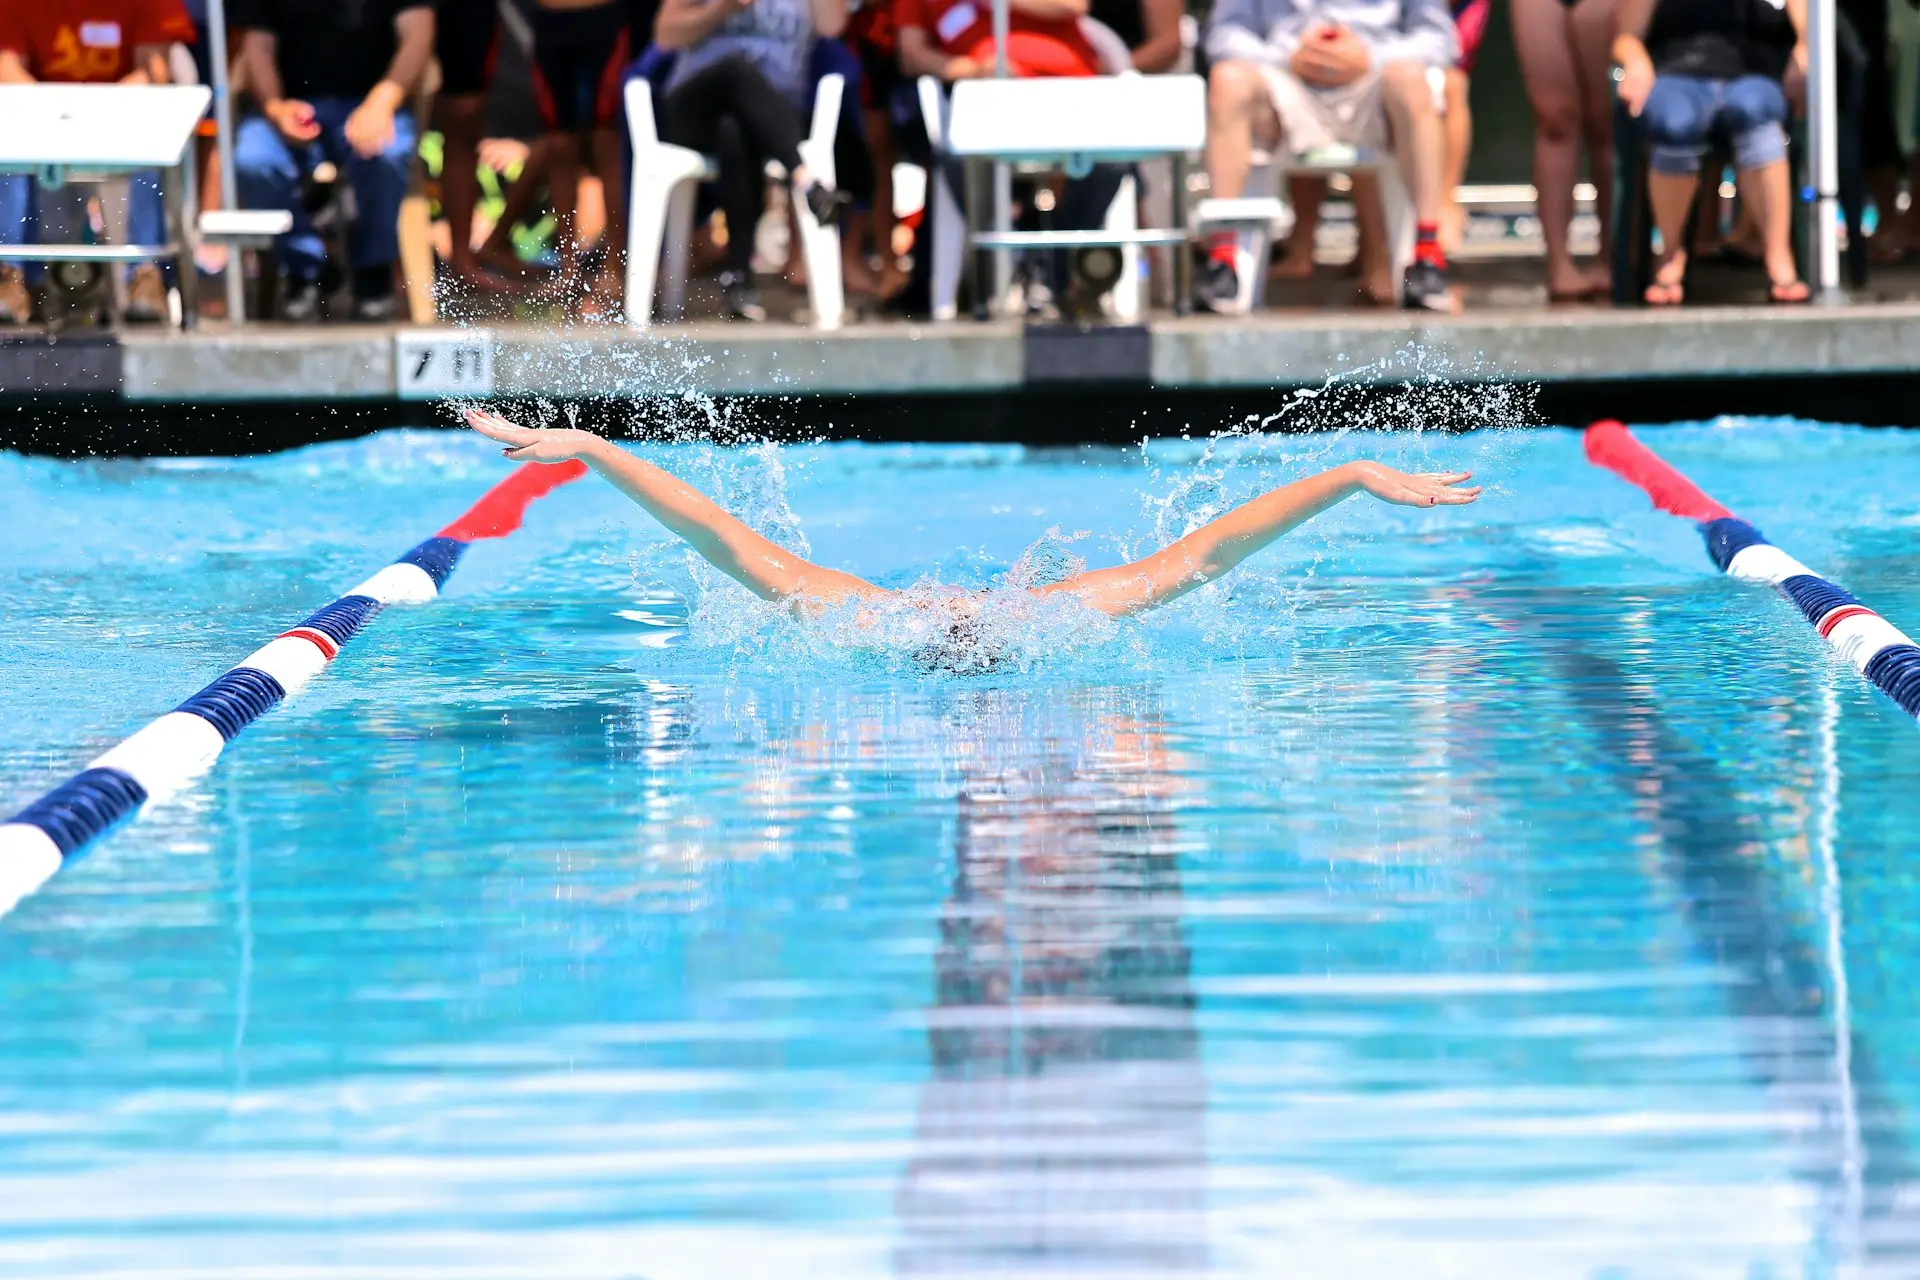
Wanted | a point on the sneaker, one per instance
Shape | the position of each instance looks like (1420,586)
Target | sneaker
(146,296)
(16,305)
(300,303)
(1427,288)
(1218,289)
(825,202)
(376,310)
(743,300)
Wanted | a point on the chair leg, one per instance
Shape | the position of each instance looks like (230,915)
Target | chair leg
(678,250)
(948,232)
(647,216)
(826,292)
(1124,215)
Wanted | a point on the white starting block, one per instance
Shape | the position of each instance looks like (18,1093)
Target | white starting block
(60,133)
(1076,123)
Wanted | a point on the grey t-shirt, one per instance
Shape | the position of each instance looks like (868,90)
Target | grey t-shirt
(774,35)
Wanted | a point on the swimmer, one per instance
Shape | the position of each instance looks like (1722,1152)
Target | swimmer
(772,572)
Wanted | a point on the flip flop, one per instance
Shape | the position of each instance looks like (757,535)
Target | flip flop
(1792,294)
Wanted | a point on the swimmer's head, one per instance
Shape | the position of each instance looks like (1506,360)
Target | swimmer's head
(960,646)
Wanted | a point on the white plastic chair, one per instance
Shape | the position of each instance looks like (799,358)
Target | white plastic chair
(660,212)
(945,222)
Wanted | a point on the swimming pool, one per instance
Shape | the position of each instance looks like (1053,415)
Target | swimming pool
(1460,893)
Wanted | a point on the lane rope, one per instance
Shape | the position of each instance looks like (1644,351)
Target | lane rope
(171,752)
(1877,649)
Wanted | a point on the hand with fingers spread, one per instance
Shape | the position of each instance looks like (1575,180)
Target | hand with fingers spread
(1429,489)
(532,444)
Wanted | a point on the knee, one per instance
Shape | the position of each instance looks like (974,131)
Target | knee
(1233,85)
(1671,117)
(1407,86)
(1558,121)
(1753,102)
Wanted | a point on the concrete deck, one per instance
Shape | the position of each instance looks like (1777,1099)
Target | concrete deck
(268,363)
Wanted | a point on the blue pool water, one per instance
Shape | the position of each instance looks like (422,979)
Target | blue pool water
(1497,892)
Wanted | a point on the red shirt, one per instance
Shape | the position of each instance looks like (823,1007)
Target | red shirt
(1035,46)
(88,41)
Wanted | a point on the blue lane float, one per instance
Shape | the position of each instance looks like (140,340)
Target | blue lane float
(183,744)
(1878,650)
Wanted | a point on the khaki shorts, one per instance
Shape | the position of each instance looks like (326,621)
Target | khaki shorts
(1352,115)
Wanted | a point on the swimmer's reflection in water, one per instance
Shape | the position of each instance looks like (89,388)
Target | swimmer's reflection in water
(775,573)
(1063,1124)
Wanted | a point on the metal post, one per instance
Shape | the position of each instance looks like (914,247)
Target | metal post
(1823,130)
(236,273)
(1002,172)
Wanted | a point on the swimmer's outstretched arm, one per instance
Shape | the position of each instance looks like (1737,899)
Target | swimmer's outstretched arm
(758,563)
(1218,546)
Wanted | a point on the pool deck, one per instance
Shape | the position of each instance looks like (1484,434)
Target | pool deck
(268,363)
(1509,358)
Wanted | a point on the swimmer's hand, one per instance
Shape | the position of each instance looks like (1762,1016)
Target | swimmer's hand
(1429,489)
(532,444)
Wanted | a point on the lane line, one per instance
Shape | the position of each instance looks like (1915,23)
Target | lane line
(171,752)
(1876,648)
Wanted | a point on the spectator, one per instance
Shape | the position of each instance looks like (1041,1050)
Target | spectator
(1307,191)
(1470,25)
(580,54)
(1693,69)
(332,79)
(1880,153)
(89,42)
(739,88)
(466,35)
(872,37)
(953,40)
(1309,74)
(1564,61)
(1149,28)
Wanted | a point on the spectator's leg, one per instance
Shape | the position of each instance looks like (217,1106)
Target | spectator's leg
(743,189)
(146,224)
(523,200)
(1419,141)
(880,220)
(734,89)
(1676,117)
(1239,111)
(461,119)
(1459,125)
(1374,257)
(1593,29)
(855,171)
(1754,111)
(1543,37)
(379,185)
(1306,192)
(267,176)
(609,165)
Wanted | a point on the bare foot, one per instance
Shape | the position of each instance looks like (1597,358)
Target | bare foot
(1296,262)
(1669,281)
(1377,287)
(1571,283)
(857,276)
